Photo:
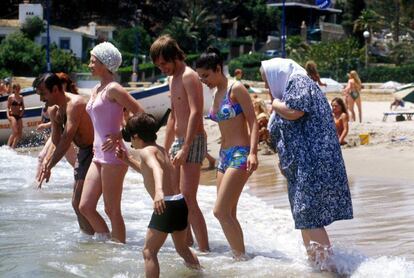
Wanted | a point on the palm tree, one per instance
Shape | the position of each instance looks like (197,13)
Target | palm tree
(368,20)
(181,31)
(199,21)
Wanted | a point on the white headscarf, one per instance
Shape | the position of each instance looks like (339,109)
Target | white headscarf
(278,72)
(108,55)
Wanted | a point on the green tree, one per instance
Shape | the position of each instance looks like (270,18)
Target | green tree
(200,22)
(32,27)
(402,53)
(351,11)
(368,20)
(127,39)
(21,55)
(297,49)
(61,60)
(336,58)
(400,13)
(181,31)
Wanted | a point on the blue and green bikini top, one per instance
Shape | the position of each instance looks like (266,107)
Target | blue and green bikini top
(227,109)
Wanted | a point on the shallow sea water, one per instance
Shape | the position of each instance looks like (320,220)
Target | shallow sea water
(39,235)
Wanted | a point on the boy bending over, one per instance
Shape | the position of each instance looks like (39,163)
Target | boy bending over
(170,209)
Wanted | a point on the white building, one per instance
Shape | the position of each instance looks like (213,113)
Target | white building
(71,40)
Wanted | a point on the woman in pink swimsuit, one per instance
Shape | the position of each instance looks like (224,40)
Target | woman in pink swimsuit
(106,173)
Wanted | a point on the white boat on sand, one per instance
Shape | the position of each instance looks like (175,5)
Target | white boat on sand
(154,99)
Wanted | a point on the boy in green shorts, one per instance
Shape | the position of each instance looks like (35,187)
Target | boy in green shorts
(170,209)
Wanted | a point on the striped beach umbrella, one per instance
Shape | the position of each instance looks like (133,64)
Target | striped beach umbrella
(406,93)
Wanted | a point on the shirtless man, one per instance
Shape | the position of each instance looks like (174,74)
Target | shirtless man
(70,122)
(185,138)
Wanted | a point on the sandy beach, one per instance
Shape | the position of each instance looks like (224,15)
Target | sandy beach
(389,153)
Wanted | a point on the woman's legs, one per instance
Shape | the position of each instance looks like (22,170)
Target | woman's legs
(350,105)
(229,187)
(19,133)
(359,105)
(92,191)
(318,247)
(112,185)
(13,125)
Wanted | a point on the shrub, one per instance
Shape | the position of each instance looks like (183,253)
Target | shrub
(249,63)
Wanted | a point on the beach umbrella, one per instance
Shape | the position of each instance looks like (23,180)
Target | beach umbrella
(405,93)
(332,86)
(390,85)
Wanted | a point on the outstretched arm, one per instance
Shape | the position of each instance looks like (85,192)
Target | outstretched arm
(121,154)
(64,140)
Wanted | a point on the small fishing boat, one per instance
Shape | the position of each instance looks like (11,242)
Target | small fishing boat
(154,99)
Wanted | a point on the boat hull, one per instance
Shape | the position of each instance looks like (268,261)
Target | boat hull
(155,100)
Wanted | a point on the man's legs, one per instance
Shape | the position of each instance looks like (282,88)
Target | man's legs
(153,242)
(189,179)
(84,224)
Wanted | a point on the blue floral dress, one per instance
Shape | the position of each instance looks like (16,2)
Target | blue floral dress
(311,157)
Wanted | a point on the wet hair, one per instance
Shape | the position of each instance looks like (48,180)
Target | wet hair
(210,59)
(168,48)
(144,125)
(70,85)
(341,104)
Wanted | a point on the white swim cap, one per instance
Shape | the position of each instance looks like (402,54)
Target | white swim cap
(108,55)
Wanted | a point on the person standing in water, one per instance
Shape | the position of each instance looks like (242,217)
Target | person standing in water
(70,123)
(232,108)
(303,132)
(170,209)
(106,174)
(185,136)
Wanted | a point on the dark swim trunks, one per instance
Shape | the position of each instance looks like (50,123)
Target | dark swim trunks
(174,217)
(83,160)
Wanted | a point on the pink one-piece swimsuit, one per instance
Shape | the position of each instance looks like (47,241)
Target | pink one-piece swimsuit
(106,116)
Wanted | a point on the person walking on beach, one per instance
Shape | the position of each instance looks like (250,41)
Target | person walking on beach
(15,111)
(352,94)
(232,108)
(70,123)
(106,173)
(185,136)
(340,115)
(170,209)
(303,132)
